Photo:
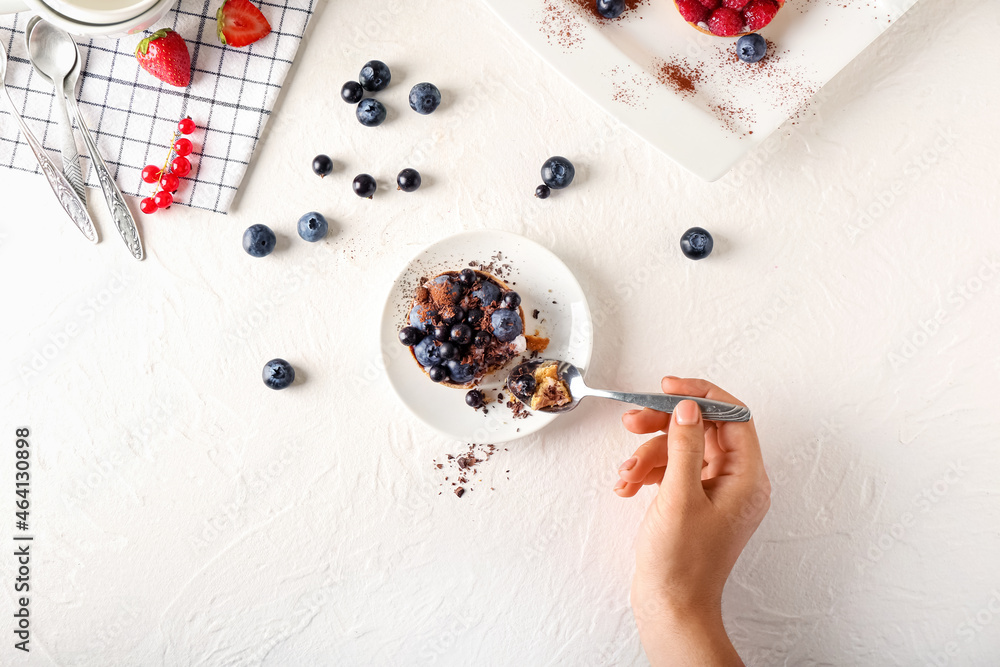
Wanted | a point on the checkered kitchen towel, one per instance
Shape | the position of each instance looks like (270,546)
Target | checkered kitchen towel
(132,115)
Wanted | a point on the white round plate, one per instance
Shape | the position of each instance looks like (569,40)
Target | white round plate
(544,283)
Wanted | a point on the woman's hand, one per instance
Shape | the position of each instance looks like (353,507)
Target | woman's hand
(713,494)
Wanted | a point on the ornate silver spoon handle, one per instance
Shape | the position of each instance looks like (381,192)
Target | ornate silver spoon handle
(64,191)
(711,410)
(112,195)
(69,150)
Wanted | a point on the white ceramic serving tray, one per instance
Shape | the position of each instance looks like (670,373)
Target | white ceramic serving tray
(734,107)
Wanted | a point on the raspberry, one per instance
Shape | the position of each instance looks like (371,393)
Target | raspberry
(759,13)
(725,22)
(711,4)
(692,10)
(735,4)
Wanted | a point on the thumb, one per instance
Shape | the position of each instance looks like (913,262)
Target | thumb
(685,449)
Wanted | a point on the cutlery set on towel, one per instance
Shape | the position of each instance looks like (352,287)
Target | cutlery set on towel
(56,58)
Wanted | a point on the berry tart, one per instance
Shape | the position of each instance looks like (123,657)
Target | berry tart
(728,18)
(464,325)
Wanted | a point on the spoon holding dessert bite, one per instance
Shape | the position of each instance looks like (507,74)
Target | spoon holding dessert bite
(553,386)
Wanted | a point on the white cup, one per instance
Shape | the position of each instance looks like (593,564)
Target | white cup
(94,18)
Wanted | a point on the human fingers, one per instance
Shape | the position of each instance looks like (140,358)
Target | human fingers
(651,454)
(626,489)
(645,421)
(685,450)
(733,436)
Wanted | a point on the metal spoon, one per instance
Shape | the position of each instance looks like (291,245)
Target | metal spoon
(112,195)
(53,59)
(578,390)
(64,191)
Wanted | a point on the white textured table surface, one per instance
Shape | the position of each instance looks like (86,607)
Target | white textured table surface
(186,515)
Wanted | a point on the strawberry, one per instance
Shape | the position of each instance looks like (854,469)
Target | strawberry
(240,23)
(759,13)
(725,22)
(692,10)
(164,54)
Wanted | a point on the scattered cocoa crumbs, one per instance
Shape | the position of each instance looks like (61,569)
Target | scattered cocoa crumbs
(534,313)
(466,465)
(517,409)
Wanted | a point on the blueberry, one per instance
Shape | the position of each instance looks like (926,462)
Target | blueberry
(322,165)
(461,334)
(481,339)
(441,333)
(313,226)
(364,186)
(487,293)
(474,316)
(610,9)
(425,98)
(523,385)
(408,180)
(374,76)
(449,351)
(507,325)
(438,373)
(511,300)
(370,113)
(427,353)
(410,335)
(751,48)
(421,315)
(258,240)
(278,374)
(453,287)
(696,243)
(460,373)
(543,191)
(352,92)
(452,314)
(467,277)
(558,172)
(475,398)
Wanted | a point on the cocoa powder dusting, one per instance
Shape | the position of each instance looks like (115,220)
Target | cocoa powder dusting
(677,74)
(563,22)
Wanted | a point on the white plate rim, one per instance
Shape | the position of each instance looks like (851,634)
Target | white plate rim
(499,239)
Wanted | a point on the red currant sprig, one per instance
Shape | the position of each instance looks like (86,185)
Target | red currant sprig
(167,177)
